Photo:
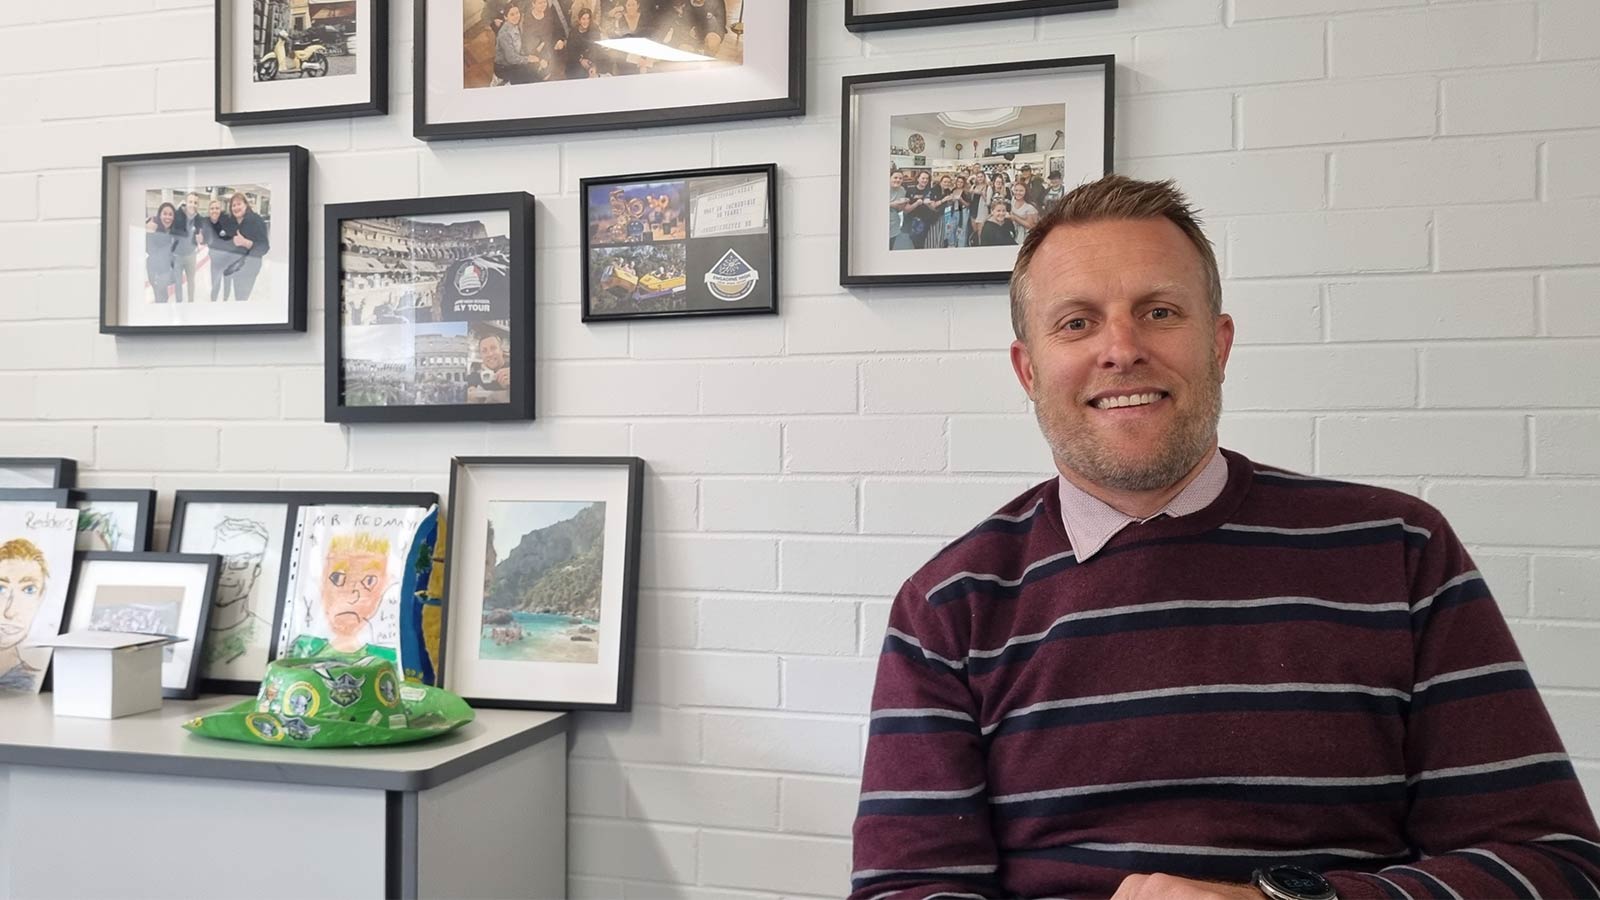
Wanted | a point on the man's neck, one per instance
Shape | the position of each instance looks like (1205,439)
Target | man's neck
(1138,504)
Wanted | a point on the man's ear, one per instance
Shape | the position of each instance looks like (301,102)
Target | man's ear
(1022,364)
(1223,341)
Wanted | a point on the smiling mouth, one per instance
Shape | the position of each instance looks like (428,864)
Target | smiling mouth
(1121,401)
(10,630)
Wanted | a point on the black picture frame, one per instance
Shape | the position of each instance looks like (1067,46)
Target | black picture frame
(60,497)
(376,104)
(299,164)
(848,277)
(794,104)
(711,255)
(209,561)
(292,501)
(63,471)
(145,498)
(961,15)
(632,524)
(519,206)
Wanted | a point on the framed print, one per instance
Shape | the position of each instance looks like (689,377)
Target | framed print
(37,472)
(698,242)
(35,499)
(434,314)
(35,577)
(205,241)
(149,593)
(542,581)
(965,178)
(491,68)
(250,531)
(871,15)
(293,60)
(115,520)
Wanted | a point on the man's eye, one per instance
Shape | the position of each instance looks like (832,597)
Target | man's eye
(369,582)
(1076,324)
(337,578)
(1160,312)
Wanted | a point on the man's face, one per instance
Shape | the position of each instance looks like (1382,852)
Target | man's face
(352,587)
(192,204)
(539,6)
(1027,175)
(896,179)
(493,355)
(21,591)
(1118,309)
(998,211)
(241,566)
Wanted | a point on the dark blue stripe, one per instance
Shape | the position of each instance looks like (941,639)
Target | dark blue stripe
(1497,872)
(1316,795)
(1476,686)
(951,806)
(1589,853)
(1459,595)
(963,587)
(920,725)
(1284,481)
(1183,704)
(1389,890)
(1436,890)
(1147,620)
(1578,885)
(1221,867)
(994,526)
(914,880)
(1494,782)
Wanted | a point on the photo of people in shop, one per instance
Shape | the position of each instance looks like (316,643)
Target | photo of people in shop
(207,243)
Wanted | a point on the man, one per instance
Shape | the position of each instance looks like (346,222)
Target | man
(489,379)
(1055,192)
(1172,667)
(23,576)
(186,226)
(1035,189)
(510,62)
(234,626)
(355,577)
(899,239)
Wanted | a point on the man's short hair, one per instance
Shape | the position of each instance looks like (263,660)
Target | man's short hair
(1110,198)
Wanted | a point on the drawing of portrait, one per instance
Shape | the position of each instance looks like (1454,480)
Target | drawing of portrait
(35,569)
(249,538)
(355,577)
(23,578)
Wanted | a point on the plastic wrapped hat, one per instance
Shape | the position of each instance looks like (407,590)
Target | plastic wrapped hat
(323,702)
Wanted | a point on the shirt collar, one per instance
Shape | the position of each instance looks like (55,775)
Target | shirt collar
(1091,522)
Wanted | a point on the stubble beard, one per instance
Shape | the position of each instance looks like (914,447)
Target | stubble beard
(1080,450)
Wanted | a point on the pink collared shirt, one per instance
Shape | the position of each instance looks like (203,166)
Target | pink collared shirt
(1091,522)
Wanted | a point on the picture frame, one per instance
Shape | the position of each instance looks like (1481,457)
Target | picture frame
(252,532)
(115,520)
(442,287)
(245,240)
(745,64)
(149,593)
(522,634)
(875,15)
(35,498)
(940,229)
(712,234)
(36,569)
(334,67)
(37,472)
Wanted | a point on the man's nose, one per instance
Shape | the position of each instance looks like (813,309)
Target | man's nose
(1123,345)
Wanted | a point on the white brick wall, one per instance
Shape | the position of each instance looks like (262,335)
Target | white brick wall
(1404,193)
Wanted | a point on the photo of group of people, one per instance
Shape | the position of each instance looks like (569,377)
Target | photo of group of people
(531,41)
(681,245)
(973,178)
(207,242)
(425,310)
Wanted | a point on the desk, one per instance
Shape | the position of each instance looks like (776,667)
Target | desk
(138,807)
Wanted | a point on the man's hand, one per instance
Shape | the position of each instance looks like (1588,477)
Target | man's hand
(503,377)
(1171,887)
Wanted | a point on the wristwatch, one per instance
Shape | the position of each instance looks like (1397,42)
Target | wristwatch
(1292,883)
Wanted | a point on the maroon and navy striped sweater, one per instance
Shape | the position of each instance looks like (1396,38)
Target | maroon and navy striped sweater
(1305,671)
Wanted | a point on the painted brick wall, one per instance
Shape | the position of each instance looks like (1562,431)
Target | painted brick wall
(1404,194)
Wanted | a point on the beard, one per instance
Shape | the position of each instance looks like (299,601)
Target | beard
(1079,448)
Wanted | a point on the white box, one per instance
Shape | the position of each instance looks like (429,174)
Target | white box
(106,674)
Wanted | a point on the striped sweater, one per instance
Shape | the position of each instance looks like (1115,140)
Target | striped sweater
(1305,671)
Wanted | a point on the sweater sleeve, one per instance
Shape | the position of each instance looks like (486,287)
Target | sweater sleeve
(1495,807)
(922,829)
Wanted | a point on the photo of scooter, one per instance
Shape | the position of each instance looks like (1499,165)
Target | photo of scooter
(293,54)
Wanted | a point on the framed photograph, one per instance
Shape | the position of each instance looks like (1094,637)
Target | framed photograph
(700,242)
(205,241)
(872,15)
(35,499)
(149,593)
(542,581)
(250,531)
(491,68)
(965,178)
(115,520)
(434,316)
(37,472)
(294,60)
(35,577)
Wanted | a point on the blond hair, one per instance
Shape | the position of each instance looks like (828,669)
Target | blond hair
(358,542)
(24,549)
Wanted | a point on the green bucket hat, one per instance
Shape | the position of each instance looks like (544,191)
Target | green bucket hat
(323,702)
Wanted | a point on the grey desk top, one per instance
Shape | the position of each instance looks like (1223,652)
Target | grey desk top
(155,743)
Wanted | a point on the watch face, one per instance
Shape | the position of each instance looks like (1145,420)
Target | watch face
(1298,881)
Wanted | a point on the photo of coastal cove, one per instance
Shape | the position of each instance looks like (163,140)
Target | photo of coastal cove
(541,581)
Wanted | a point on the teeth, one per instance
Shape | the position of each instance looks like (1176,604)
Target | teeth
(1126,400)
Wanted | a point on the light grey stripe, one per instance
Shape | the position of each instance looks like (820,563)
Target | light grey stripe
(1402,891)
(1508,867)
(938,870)
(1485,768)
(1463,578)
(996,579)
(1203,689)
(919,713)
(923,795)
(1020,517)
(1448,889)
(1173,782)
(1568,837)
(1328,529)
(901,635)
(1186,849)
(1186,604)
(1289,476)
(1469,673)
